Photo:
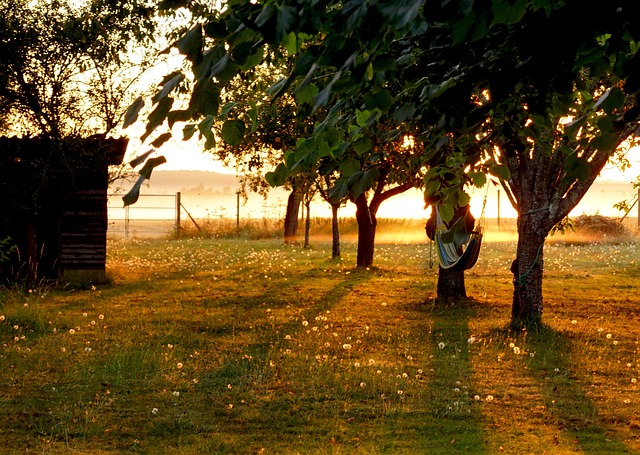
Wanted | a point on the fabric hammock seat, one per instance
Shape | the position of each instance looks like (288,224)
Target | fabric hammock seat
(457,250)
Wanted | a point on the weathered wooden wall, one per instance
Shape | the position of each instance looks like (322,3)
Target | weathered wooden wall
(55,206)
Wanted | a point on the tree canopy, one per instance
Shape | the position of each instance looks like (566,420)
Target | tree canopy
(537,93)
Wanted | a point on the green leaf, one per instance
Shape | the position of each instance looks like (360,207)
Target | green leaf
(285,20)
(349,166)
(150,165)
(479,179)
(307,94)
(134,193)
(132,112)
(205,128)
(226,108)
(157,116)
(168,86)
(446,212)
(188,131)
(607,142)
(253,59)
(338,191)
(614,100)
(400,13)
(361,145)
(180,115)
(379,99)
(577,168)
(205,98)
(506,13)
(404,113)
(233,131)
(501,171)
(191,43)
(278,177)
(161,139)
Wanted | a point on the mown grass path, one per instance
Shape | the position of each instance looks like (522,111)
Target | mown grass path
(203,346)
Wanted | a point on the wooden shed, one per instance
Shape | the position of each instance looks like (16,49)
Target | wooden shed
(54,206)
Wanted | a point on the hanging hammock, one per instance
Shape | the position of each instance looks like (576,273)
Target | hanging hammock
(461,252)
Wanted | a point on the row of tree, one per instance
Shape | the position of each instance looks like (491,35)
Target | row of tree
(538,94)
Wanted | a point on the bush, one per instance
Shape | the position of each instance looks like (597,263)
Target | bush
(600,226)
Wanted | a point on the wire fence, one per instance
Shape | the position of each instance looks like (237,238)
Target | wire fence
(154,215)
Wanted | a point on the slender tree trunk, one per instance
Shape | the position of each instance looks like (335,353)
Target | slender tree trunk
(335,232)
(307,223)
(32,253)
(291,218)
(527,272)
(366,232)
(451,285)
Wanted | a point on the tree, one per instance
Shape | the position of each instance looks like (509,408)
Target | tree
(558,113)
(50,54)
(538,93)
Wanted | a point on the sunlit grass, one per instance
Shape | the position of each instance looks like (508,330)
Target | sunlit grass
(239,346)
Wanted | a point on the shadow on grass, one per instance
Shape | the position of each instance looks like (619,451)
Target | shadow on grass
(453,423)
(563,395)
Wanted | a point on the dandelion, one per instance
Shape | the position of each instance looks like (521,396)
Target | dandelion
(384,303)
(356,364)
(405,375)
(176,393)
(154,411)
(574,322)
(557,370)
(287,337)
(93,322)
(84,315)
(371,361)
(629,365)
(179,365)
(101,316)
(489,398)
(2,317)
(471,340)
(378,372)
(441,345)
(170,346)
(87,349)
(305,323)
(346,346)
(456,390)
(476,397)
(72,331)
(516,350)
(420,371)
(512,345)
(16,327)
(615,342)
(608,336)
(633,380)
(363,384)
(400,392)
(229,386)
(230,406)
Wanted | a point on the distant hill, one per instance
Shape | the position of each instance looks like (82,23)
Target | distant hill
(192,182)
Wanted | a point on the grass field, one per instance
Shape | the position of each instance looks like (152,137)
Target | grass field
(225,346)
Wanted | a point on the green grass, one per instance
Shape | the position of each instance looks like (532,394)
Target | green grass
(247,346)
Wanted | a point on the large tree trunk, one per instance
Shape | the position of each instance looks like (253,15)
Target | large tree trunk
(366,232)
(527,274)
(291,218)
(335,232)
(451,285)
